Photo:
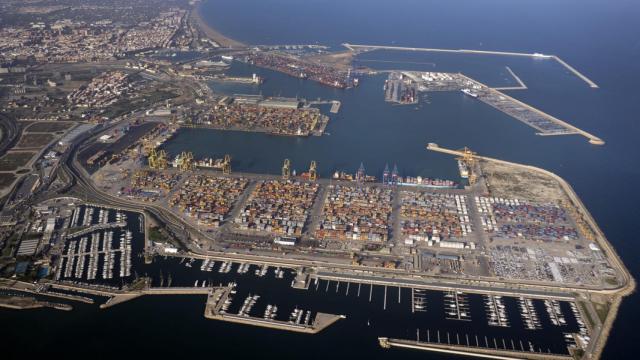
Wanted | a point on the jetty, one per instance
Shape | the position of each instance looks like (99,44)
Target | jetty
(357,48)
(470,350)
(218,296)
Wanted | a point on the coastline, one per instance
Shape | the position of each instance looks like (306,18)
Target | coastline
(212,33)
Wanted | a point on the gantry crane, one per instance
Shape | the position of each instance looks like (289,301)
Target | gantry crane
(161,162)
(153,158)
(468,158)
(226,165)
(313,173)
(185,161)
(286,169)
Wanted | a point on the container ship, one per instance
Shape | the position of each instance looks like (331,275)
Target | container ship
(427,182)
(341,175)
(210,163)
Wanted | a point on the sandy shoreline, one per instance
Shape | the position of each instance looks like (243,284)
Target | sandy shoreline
(212,33)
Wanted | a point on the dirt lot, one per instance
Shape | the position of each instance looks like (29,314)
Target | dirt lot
(515,182)
(14,160)
(340,60)
(48,127)
(34,140)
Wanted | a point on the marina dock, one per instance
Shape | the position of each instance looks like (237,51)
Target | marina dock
(470,350)
(220,297)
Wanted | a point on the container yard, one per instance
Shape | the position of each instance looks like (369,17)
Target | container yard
(253,113)
(207,199)
(356,213)
(431,218)
(513,218)
(279,207)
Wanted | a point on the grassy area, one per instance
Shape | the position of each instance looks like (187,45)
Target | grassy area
(11,244)
(158,235)
(34,140)
(14,160)
(6,180)
(611,281)
(48,127)
(602,310)
(587,314)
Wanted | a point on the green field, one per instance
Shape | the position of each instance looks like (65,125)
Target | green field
(14,160)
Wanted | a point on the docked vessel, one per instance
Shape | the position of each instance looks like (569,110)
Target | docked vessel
(210,163)
(427,182)
(469,93)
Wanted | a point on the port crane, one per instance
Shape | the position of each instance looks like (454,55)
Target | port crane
(161,162)
(184,162)
(153,158)
(313,173)
(468,158)
(226,165)
(286,169)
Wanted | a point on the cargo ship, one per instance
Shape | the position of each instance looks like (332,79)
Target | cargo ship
(427,182)
(341,175)
(210,163)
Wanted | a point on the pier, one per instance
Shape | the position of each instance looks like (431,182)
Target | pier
(470,350)
(547,125)
(219,296)
(517,113)
(363,48)
(521,85)
(97,227)
(439,286)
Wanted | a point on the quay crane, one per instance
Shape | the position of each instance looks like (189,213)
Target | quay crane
(157,160)
(161,162)
(313,174)
(226,165)
(286,169)
(153,158)
(468,158)
(185,161)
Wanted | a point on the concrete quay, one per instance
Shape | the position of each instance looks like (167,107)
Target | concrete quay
(363,48)
(441,286)
(472,351)
(570,129)
(521,84)
(96,227)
